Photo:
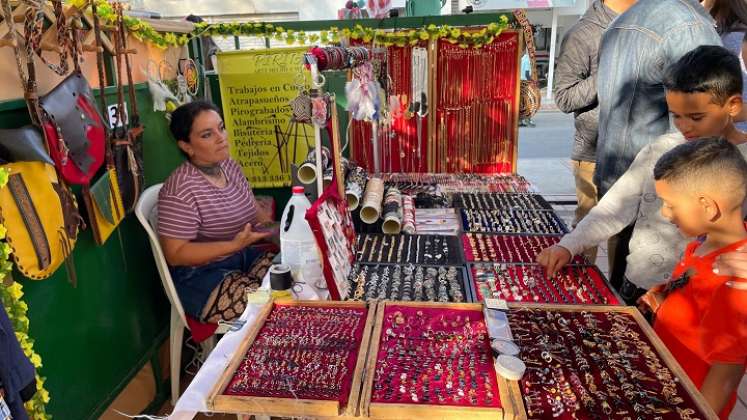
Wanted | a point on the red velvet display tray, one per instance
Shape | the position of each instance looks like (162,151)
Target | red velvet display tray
(457,342)
(566,287)
(432,359)
(301,358)
(510,248)
(567,348)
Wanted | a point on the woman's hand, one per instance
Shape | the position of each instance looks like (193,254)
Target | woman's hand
(553,259)
(249,236)
(732,264)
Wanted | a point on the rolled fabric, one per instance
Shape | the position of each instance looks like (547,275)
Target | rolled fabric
(392,213)
(371,209)
(408,214)
(355,183)
(307,170)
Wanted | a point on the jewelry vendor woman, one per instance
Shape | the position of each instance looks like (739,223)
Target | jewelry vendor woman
(208,220)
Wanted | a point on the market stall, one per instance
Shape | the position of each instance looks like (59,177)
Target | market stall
(426,299)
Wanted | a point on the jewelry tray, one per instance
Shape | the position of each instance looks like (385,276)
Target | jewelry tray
(559,291)
(520,216)
(332,225)
(347,403)
(507,399)
(426,243)
(463,280)
(537,397)
(521,244)
(491,201)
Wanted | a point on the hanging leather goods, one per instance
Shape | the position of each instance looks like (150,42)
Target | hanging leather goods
(530,98)
(37,208)
(127,147)
(38,211)
(103,198)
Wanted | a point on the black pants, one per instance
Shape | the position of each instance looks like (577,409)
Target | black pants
(630,293)
(617,271)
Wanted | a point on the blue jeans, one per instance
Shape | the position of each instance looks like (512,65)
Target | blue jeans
(194,284)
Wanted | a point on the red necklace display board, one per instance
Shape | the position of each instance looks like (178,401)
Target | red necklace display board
(486,247)
(599,362)
(302,359)
(433,360)
(471,121)
(477,106)
(572,285)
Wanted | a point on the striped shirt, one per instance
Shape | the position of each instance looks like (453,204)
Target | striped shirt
(192,208)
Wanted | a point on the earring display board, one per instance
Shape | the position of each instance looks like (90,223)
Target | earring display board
(410,283)
(413,249)
(538,222)
(398,133)
(332,224)
(486,247)
(602,362)
(476,112)
(302,359)
(495,201)
(573,284)
(433,361)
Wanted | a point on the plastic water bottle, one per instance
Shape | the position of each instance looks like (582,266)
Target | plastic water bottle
(298,247)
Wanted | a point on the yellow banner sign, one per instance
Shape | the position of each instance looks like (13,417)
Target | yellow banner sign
(256,87)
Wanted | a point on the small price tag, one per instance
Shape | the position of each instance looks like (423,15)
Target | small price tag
(4,410)
(114,119)
(498,304)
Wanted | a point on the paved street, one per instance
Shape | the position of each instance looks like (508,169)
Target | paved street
(544,151)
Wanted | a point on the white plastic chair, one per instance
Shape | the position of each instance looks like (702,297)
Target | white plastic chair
(146,212)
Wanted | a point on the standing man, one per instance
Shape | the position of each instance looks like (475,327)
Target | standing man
(636,51)
(576,92)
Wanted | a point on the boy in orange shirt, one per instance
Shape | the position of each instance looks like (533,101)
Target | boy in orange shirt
(701,316)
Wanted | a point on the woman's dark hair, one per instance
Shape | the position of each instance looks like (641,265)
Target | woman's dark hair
(183,117)
(730,15)
(707,69)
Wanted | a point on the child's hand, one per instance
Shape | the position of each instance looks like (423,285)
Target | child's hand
(553,259)
(733,264)
(651,301)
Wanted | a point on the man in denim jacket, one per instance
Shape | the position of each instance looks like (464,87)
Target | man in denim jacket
(637,49)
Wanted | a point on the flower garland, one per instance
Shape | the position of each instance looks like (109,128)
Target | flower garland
(144,32)
(10,297)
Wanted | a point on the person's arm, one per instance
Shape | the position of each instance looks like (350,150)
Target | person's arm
(575,82)
(616,210)
(183,252)
(719,384)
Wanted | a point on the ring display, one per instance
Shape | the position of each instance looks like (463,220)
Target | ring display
(484,247)
(408,283)
(512,221)
(494,201)
(602,362)
(529,283)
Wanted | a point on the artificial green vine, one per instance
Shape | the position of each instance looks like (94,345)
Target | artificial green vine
(11,298)
(145,32)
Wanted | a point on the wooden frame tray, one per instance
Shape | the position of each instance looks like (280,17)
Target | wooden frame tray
(286,407)
(512,407)
(705,410)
